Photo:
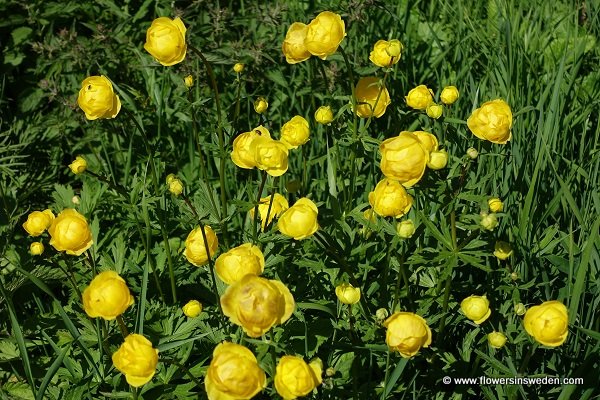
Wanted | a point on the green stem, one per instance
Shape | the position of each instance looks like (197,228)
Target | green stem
(185,370)
(527,358)
(122,327)
(256,216)
(450,269)
(211,268)
(222,156)
(120,189)
(271,198)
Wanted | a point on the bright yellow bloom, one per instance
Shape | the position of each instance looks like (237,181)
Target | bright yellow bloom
(97,98)
(434,110)
(347,294)
(36,248)
(192,308)
(195,249)
(406,229)
(242,154)
(496,339)
(175,186)
(137,359)
(238,68)
(295,132)
(407,333)
(78,166)
(419,98)
(372,98)
(295,378)
(293,46)
(495,204)
(476,308)
(107,296)
(449,95)
(390,199)
(233,374)
(278,206)
(386,54)
(438,159)
(165,40)
(270,155)
(238,262)
(300,220)
(189,81)
(548,323)
(324,115)
(324,34)
(261,105)
(492,121)
(70,232)
(257,304)
(429,141)
(38,221)
(404,158)
(502,250)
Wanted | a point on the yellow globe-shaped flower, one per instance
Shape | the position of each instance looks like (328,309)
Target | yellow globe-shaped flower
(107,296)
(548,323)
(496,339)
(390,199)
(38,221)
(372,98)
(137,359)
(278,206)
(324,115)
(238,262)
(449,95)
(293,46)
(165,40)
(270,155)
(419,98)
(347,294)
(407,333)
(300,220)
(386,53)
(295,378)
(70,232)
(97,98)
(192,308)
(295,132)
(476,308)
(492,121)
(404,158)
(242,154)
(324,34)
(195,248)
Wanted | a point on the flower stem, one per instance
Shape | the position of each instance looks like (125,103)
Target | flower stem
(211,267)
(122,327)
(185,370)
(260,190)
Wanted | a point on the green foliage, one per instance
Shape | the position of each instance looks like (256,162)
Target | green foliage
(541,57)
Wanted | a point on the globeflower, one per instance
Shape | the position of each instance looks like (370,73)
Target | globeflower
(245,259)
(38,221)
(386,54)
(434,110)
(407,333)
(278,206)
(404,158)
(70,232)
(502,250)
(324,115)
(449,95)
(257,304)
(324,34)
(195,248)
(476,308)
(293,46)
(406,229)
(270,155)
(78,166)
(261,105)
(495,204)
(295,378)
(295,132)
(97,98)
(496,339)
(36,248)
(390,199)
(419,98)
(347,294)
(300,220)
(242,154)
(107,296)
(137,359)
(492,121)
(238,68)
(165,41)
(192,308)
(372,98)
(438,159)
(548,323)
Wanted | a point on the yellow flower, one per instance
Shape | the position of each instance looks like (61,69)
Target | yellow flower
(175,186)
(449,95)
(472,153)
(492,121)
(261,105)
(389,199)
(242,154)
(496,339)
(70,232)
(295,378)
(278,206)
(137,359)
(502,250)
(300,220)
(404,158)
(293,46)
(189,81)
(195,249)
(429,141)
(434,110)
(295,132)
(257,304)
(38,221)
(238,68)
(381,314)
(270,155)
(36,248)
(233,374)
(372,98)
(107,296)
(488,221)
(520,309)
(238,262)
(438,159)
(476,308)
(407,333)
(97,98)
(548,323)
(406,229)
(192,308)
(419,98)
(495,204)
(386,54)
(78,166)
(347,294)
(324,115)
(324,34)
(165,40)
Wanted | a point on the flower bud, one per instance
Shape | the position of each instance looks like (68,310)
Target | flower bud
(381,314)
(137,359)
(438,159)
(195,248)
(520,309)
(488,221)
(476,308)
(495,205)
(176,186)
(472,153)
(329,372)
(238,68)
(419,98)
(36,248)
(496,339)
(324,115)
(347,294)
(514,276)
(449,95)
(78,166)
(406,229)
(192,309)
(502,250)
(75,200)
(165,40)
(261,105)
(189,81)
(434,110)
